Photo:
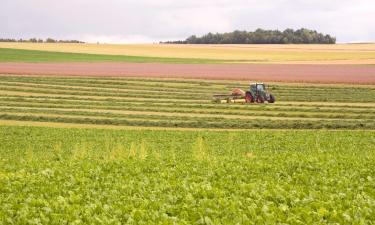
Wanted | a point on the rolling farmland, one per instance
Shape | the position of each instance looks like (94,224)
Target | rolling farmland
(154,149)
(286,54)
(187,112)
(345,63)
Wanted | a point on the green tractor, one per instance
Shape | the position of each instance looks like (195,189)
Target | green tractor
(256,93)
(259,94)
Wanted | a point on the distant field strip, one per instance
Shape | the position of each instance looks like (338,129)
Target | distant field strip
(36,56)
(340,53)
(181,103)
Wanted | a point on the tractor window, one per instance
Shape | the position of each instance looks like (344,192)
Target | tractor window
(253,88)
(260,87)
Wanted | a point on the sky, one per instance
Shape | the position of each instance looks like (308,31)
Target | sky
(148,21)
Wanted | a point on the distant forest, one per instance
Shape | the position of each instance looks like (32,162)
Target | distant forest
(260,36)
(35,40)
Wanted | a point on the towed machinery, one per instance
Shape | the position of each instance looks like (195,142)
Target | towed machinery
(257,93)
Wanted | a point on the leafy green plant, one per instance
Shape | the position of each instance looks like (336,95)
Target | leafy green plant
(95,176)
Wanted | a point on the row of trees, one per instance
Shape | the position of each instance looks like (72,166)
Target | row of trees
(34,40)
(260,36)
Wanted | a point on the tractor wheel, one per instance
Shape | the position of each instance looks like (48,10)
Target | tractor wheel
(249,97)
(272,99)
(260,99)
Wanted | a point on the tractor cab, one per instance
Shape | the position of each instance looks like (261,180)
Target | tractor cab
(260,87)
(258,93)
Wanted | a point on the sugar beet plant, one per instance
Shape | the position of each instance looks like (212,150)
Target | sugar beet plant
(83,176)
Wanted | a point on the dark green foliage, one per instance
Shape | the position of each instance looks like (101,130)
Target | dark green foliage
(260,36)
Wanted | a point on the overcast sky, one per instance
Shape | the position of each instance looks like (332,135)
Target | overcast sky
(141,21)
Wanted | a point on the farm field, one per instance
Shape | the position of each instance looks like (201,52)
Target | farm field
(39,56)
(180,127)
(182,103)
(133,150)
(341,74)
(93,176)
(289,54)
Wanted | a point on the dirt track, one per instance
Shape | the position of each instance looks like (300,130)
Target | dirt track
(356,74)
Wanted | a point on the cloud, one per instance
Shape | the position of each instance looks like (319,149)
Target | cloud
(130,21)
(118,39)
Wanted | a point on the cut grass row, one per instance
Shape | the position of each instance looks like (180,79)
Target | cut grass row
(186,115)
(168,82)
(180,84)
(306,95)
(222,124)
(275,112)
(131,95)
(146,87)
(283,92)
(22,96)
(141,102)
(182,108)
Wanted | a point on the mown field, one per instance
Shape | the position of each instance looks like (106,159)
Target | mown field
(182,103)
(327,54)
(92,176)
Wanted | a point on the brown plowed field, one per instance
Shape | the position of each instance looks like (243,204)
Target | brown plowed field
(356,74)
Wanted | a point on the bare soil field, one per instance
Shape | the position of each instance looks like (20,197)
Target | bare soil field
(349,74)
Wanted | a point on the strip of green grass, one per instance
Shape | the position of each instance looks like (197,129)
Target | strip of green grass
(33,56)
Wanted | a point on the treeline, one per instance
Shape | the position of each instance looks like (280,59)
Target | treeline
(260,36)
(35,40)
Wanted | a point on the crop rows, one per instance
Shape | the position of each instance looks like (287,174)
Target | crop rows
(93,176)
(181,103)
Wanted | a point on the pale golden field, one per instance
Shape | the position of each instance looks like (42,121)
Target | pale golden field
(326,54)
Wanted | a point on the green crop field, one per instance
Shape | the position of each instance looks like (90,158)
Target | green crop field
(35,56)
(107,150)
(92,176)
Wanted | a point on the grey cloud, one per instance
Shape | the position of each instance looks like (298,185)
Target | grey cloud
(150,20)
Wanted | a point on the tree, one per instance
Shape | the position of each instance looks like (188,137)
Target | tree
(50,40)
(260,36)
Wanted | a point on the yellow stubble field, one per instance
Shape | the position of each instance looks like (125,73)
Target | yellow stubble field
(322,54)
